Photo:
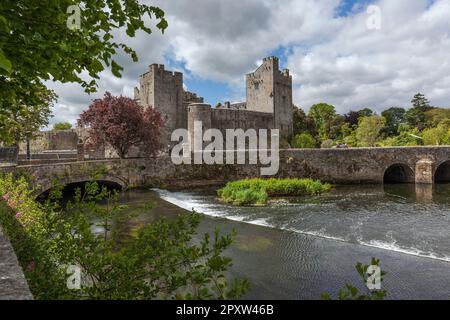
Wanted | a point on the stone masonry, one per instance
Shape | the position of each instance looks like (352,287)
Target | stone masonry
(268,106)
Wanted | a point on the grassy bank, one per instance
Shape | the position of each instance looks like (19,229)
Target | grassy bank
(258,191)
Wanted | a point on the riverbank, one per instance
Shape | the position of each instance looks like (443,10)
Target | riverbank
(283,264)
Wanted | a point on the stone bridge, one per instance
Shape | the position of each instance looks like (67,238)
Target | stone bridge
(424,165)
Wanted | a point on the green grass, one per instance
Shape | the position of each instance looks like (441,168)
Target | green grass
(258,191)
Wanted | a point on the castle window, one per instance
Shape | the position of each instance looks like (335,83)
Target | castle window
(256,85)
(284,99)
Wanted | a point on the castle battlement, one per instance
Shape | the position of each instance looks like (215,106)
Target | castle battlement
(160,70)
(270,58)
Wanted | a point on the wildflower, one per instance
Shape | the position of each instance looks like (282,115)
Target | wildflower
(18,214)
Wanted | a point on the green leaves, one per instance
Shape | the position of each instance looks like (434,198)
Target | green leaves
(115,69)
(36,44)
(5,64)
(163,260)
(349,292)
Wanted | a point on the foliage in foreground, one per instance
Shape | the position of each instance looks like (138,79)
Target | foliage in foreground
(352,293)
(257,191)
(49,40)
(160,261)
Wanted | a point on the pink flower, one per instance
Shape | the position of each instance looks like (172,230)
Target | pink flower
(18,214)
(5,196)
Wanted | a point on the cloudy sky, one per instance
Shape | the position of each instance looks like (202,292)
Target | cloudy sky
(333,48)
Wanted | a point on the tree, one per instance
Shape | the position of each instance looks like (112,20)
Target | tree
(437,136)
(303,123)
(336,127)
(416,115)
(322,114)
(421,102)
(394,117)
(122,123)
(369,130)
(406,136)
(22,125)
(304,141)
(62,126)
(436,115)
(42,40)
(352,117)
(366,112)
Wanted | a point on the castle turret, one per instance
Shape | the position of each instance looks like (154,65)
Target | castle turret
(270,90)
(199,120)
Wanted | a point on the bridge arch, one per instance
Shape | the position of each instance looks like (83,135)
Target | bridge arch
(399,173)
(105,180)
(442,173)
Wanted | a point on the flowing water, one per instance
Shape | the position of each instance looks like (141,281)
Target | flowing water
(300,248)
(390,217)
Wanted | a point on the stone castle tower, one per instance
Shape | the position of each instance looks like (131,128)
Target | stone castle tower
(270,90)
(268,106)
(163,90)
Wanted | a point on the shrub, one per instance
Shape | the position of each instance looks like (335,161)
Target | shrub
(304,141)
(160,261)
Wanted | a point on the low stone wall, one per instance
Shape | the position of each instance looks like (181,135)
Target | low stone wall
(41,162)
(13,285)
(8,155)
(52,140)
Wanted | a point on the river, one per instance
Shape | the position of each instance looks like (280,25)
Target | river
(310,245)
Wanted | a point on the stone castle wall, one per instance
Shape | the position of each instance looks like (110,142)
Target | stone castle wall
(52,140)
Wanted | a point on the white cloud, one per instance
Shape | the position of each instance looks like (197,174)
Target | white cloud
(333,59)
(379,68)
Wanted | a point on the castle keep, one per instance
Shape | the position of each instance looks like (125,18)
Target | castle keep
(268,106)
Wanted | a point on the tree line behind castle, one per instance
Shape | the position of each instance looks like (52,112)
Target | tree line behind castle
(421,124)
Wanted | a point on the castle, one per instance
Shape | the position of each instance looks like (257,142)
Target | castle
(268,104)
